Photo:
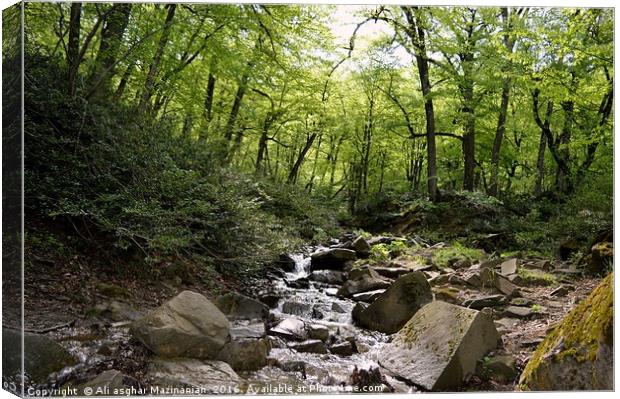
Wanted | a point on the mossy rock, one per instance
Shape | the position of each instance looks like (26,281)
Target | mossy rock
(578,354)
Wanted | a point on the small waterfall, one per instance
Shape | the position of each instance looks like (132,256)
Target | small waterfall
(302,265)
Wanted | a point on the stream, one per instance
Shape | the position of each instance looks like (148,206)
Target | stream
(318,305)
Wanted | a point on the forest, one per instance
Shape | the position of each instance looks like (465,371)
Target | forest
(304,165)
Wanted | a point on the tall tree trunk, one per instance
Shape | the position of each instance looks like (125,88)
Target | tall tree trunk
(509,44)
(115,23)
(122,85)
(418,37)
(540,164)
(149,84)
(292,176)
(73,48)
(469,144)
(234,112)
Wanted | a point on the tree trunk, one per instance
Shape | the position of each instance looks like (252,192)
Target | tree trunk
(418,37)
(112,33)
(122,85)
(469,147)
(73,48)
(149,84)
(540,164)
(292,176)
(499,136)
(234,112)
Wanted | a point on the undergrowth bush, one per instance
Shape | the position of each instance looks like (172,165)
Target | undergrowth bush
(133,185)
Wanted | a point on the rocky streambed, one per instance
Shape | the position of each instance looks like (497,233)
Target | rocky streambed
(331,320)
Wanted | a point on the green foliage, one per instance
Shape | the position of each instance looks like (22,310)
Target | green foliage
(443,256)
(536,277)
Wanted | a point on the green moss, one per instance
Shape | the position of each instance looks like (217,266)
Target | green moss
(536,277)
(443,256)
(578,336)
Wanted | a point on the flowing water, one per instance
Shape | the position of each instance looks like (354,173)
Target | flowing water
(318,305)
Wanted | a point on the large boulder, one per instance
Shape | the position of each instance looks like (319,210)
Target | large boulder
(392,309)
(108,383)
(362,280)
(188,325)
(333,277)
(578,354)
(333,258)
(600,258)
(236,306)
(245,354)
(440,346)
(210,377)
(290,329)
(42,355)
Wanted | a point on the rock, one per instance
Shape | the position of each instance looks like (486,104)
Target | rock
(210,377)
(505,286)
(392,309)
(297,308)
(361,246)
(333,277)
(461,264)
(544,265)
(518,311)
(392,272)
(501,368)
(362,280)
(286,263)
(508,267)
(317,313)
(245,354)
(368,296)
(318,331)
(516,279)
(492,263)
(290,329)
(446,294)
(342,348)
(108,383)
(487,277)
(506,323)
(240,307)
(42,355)
(490,301)
(384,240)
(439,280)
(579,353)
(310,346)
(300,284)
(334,258)
(561,291)
(521,302)
(117,311)
(601,258)
(256,330)
(270,299)
(336,307)
(474,280)
(569,247)
(439,347)
(188,325)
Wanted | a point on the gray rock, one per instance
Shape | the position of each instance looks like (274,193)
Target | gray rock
(210,377)
(392,272)
(505,286)
(336,307)
(108,383)
(342,348)
(42,355)
(300,283)
(188,325)
(518,311)
(309,346)
(561,291)
(318,331)
(501,368)
(297,308)
(506,324)
(334,258)
(117,311)
(361,246)
(240,307)
(480,303)
(362,280)
(270,299)
(392,309)
(290,329)
(286,263)
(509,267)
(255,330)
(440,346)
(334,277)
(245,354)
